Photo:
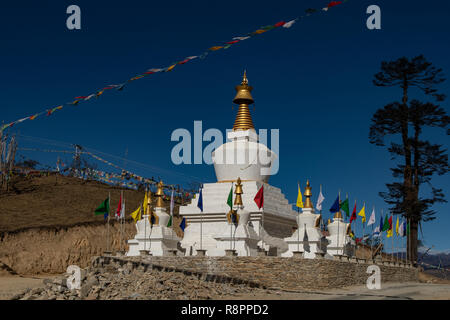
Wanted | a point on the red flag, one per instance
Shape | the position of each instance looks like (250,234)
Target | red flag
(353,217)
(119,207)
(334,3)
(279,24)
(259,198)
(390,223)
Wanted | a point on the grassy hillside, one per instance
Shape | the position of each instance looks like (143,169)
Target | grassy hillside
(59,201)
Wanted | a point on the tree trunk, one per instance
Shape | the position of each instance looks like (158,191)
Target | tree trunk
(412,245)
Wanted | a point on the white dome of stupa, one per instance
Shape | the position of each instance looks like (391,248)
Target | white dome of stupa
(243,156)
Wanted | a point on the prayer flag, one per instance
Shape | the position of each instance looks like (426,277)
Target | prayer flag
(183,224)
(136,215)
(119,208)
(372,218)
(200,201)
(145,204)
(344,207)
(362,213)
(353,217)
(335,207)
(230,198)
(289,24)
(320,200)
(299,198)
(259,198)
(103,208)
(385,224)
(334,3)
(396,227)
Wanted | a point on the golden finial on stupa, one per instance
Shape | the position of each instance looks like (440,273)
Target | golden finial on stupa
(308,194)
(159,194)
(338,215)
(243,98)
(238,191)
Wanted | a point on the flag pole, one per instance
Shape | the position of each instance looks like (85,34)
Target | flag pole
(339,196)
(201,225)
(381,237)
(145,223)
(392,255)
(120,222)
(107,230)
(371,241)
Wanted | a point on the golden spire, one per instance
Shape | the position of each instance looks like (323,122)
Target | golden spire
(159,194)
(338,215)
(243,98)
(238,191)
(307,194)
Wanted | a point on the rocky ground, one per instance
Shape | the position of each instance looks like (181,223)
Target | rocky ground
(124,284)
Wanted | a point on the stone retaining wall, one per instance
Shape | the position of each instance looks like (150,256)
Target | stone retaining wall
(267,272)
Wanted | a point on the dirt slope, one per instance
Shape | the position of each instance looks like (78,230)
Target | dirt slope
(48,224)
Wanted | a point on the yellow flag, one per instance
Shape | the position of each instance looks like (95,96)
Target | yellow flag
(396,227)
(299,198)
(136,214)
(171,67)
(362,213)
(145,203)
(389,233)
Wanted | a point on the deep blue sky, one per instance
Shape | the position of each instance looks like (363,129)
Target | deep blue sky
(312,81)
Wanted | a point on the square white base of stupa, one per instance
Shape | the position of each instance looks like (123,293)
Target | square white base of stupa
(339,242)
(243,239)
(307,220)
(158,240)
(298,245)
(275,220)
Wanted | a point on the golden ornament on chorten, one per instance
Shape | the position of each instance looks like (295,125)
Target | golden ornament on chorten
(243,98)
(159,194)
(238,191)
(308,194)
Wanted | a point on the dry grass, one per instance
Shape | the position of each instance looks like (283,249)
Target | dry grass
(60,202)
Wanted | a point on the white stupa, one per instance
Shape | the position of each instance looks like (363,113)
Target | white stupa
(341,244)
(243,156)
(240,237)
(308,238)
(153,235)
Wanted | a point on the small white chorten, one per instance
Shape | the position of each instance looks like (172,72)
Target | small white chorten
(308,237)
(152,232)
(241,236)
(341,244)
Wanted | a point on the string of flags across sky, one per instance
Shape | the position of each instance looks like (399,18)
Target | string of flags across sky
(97,93)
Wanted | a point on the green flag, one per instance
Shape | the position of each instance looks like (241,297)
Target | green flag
(230,198)
(386,224)
(169,224)
(103,208)
(407,228)
(344,207)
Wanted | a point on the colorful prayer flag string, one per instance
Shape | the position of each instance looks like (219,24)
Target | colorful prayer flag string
(226,45)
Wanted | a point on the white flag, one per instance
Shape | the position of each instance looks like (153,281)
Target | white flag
(122,210)
(171,204)
(289,24)
(400,229)
(320,200)
(372,218)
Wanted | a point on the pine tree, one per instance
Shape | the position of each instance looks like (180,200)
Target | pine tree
(417,159)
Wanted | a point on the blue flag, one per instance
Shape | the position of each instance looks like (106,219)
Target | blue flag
(381,223)
(200,201)
(183,224)
(335,207)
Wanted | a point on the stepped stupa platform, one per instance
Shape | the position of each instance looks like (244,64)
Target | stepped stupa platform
(244,158)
